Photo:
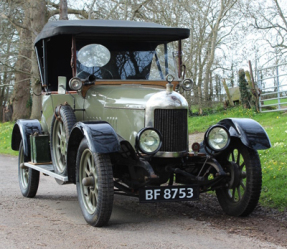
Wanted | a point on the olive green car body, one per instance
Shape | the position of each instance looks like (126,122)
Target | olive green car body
(122,106)
(113,128)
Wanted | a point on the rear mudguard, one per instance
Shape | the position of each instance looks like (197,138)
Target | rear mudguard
(22,129)
(250,132)
(101,138)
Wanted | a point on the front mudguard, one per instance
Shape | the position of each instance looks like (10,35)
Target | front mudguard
(250,132)
(22,129)
(101,138)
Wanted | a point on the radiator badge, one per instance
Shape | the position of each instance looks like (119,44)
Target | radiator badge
(175,99)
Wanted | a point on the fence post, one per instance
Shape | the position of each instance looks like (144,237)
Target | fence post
(254,89)
(259,83)
(278,85)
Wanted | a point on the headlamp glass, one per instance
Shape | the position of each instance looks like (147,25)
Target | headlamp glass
(149,141)
(218,138)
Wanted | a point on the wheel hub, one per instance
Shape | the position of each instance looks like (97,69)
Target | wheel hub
(89,181)
(235,175)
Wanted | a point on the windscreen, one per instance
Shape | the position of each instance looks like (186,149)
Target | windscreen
(124,61)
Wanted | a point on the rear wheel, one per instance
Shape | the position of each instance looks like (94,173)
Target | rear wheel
(241,194)
(28,178)
(95,185)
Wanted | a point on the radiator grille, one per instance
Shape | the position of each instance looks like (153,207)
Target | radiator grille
(172,124)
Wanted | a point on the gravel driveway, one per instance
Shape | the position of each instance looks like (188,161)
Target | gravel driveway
(53,219)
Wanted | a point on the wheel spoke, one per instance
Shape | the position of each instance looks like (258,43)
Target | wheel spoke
(242,165)
(26,176)
(90,196)
(242,185)
(93,163)
(85,191)
(239,193)
(87,171)
(233,194)
(94,199)
(61,127)
(238,158)
(232,156)
(89,164)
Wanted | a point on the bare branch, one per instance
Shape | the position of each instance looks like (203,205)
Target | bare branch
(18,26)
(279,10)
(138,8)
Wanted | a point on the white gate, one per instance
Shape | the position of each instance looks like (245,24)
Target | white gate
(272,82)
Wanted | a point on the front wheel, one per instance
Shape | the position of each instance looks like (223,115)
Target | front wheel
(241,194)
(95,185)
(28,178)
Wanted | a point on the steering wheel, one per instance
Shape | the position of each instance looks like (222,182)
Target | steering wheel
(106,74)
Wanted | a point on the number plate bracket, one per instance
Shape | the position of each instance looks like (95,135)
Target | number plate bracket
(169,193)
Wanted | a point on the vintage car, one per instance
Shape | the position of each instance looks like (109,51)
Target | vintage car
(113,121)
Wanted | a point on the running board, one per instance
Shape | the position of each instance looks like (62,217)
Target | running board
(47,169)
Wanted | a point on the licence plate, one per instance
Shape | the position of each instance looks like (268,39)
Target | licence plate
(169,193)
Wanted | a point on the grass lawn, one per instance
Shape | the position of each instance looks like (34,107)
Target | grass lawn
(273,161)
(275,101)
(5,139)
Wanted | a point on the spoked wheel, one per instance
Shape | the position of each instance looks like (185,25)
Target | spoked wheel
(28,178)
(95,185)
(241,195)
(60,133)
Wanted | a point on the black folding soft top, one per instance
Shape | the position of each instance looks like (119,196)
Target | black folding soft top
(146,30)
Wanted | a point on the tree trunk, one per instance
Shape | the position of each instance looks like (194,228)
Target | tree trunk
(63,10)
(38,20)
(199,91)
(227,93)
(21,94)
(245,94)
(210,88)
(253,100)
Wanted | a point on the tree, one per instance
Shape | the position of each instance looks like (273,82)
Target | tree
(63,6)
(215,26)
(35,14)
(232,75)
(38,17)
(8,47)
(244,92)
(21,94)
(270,17)
(211,23)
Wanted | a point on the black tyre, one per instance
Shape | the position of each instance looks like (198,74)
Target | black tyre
(28,178)
(60,132)
(95,185)
(241,195)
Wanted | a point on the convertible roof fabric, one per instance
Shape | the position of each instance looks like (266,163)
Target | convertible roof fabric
(107,28)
